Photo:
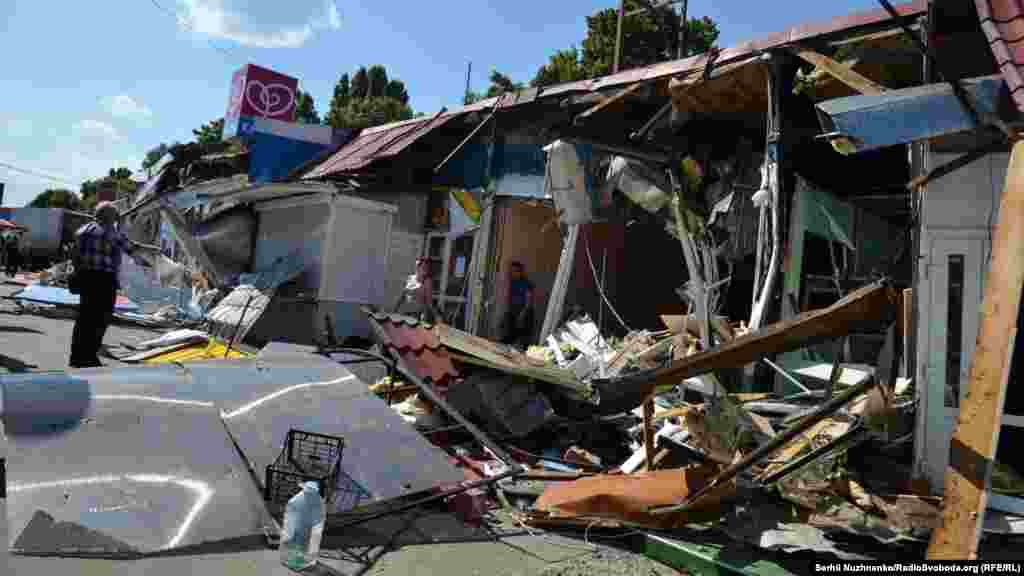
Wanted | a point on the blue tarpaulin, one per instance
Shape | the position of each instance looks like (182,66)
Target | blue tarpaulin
(56,296)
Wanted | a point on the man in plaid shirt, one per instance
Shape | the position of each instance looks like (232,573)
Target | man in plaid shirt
(97,261)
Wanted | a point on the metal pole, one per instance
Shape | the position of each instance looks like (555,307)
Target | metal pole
(600,309)
(469,71)
(618,36)
(684,30)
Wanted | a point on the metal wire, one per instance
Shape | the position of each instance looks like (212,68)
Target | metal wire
(597,282)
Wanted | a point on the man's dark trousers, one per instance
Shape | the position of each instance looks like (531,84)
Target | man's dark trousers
(98,292)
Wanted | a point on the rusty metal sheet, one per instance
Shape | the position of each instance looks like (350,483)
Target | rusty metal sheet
(628,497)
(696,64)
(372,145)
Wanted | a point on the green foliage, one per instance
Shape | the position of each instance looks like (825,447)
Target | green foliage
(369,99)
(563,66)
(360,84)
(377,78)
(500,84)
(117,178)
(396,89)
(366,112)
(645,41)
(305,109)
(57,198)
(209,133)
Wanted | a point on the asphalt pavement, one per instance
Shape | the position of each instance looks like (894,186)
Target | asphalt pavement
(412,543)
(34,342)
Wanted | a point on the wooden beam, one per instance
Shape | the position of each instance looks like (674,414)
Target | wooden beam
(649,433)
(976,436)
(866,308)
(841,72)
(611,100)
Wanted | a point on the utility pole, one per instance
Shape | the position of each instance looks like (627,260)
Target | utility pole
(684,31)
(618,36)
(469,71)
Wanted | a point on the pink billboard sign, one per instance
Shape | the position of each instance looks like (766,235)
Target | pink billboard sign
(261,93)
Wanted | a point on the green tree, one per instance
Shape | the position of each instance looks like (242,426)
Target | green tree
(209,133)
(119,174)
(360,84)
(369,99)
(471,97)
(563,66)
(366,112)
(396,89)
(57,198)
(645,40)
(500,84)
(305,109)
(377,78)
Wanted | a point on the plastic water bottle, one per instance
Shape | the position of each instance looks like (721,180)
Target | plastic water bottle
(304,519)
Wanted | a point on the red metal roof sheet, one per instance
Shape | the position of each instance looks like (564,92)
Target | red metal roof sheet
(375,144)
(1002,21)
(419,347)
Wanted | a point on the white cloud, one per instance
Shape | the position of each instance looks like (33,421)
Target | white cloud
(242,25)
(97,128)
(124,106)
(84,150)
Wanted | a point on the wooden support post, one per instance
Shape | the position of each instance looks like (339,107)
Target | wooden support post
(649,433)
(556,301)
(977,428)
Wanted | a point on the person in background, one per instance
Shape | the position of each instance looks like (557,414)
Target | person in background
(417,300)
(99,246)
(519,315)
(13,254)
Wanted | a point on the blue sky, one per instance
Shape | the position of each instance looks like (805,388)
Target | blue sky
(90,85)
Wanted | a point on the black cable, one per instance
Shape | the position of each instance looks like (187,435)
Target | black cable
(30,172)
(184,22)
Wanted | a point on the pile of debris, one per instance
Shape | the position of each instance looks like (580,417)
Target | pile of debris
(583,431)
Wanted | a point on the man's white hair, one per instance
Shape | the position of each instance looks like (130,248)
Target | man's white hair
(107,212)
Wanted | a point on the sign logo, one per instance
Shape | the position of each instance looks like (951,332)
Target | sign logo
(269,100)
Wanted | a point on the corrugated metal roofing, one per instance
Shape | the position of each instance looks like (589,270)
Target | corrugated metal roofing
(1002,21)
(373,145)
(419,347)
(390,139)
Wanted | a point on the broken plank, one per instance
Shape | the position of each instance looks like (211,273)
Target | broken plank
(807,422)
(976,435)
(862,310)
(649,434)
(566,382)
(841,72)
(621,95)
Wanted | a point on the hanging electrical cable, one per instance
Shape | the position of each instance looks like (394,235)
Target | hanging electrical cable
(597,282)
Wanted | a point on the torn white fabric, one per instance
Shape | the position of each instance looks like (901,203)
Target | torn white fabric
(632,180)
(565,181)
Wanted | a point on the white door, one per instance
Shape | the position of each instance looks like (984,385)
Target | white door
(957,264)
